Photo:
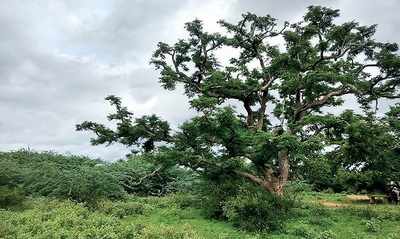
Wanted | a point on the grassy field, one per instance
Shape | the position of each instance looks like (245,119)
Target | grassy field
(320,215)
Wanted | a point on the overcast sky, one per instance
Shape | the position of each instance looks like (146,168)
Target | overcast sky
(59,59)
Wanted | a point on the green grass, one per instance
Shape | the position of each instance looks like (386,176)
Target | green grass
(167,217)
(188,218)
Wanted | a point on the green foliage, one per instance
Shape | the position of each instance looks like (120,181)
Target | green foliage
(11,196)
(30,159)
(218,128)
(258,211)
(322,222)
(11,174)
(151,174)
(11,178)
(85,180)
(185,200)
(304,232)
(56,219)
(326,235)
(323,61)
(373,225)
(318,172)
(298,187)
(142,132)
(123,209)
(165,217)
(237,158)
(364,156)
(215,192)
(85,184)
(49,174)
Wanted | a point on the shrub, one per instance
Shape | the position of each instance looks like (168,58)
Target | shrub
(258,211)
(373,225)
(214,191)
(11,196)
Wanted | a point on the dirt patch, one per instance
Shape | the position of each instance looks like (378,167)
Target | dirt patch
(332,204)
(353,200)
(358,197)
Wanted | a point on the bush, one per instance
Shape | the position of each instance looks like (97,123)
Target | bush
(10,196)
(373,225)
(214,192)
(258,211)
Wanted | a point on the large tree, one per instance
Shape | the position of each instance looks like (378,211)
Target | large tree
(285,91)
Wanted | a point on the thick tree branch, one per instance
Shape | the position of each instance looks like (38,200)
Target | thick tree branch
(323,99)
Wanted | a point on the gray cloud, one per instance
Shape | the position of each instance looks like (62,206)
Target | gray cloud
(59,59)
(129,30)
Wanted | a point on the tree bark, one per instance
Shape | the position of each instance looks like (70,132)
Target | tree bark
(261,111)
(283,171)
(250,119)
(270,182)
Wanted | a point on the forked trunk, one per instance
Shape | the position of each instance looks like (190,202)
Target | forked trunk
(270,182)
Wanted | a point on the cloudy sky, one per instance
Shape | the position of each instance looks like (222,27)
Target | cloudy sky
(60,58)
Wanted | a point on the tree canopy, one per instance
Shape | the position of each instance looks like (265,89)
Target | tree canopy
(286,92)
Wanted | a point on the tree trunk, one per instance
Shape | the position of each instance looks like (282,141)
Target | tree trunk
(283,170)
(269,182)
(261,111)
(250,119)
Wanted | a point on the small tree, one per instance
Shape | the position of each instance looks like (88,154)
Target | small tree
(285,94)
